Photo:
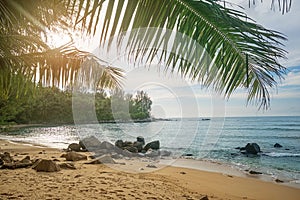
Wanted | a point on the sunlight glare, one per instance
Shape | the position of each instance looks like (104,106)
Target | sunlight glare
(58,39)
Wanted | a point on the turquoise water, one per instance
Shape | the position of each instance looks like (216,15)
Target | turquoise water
(215,139)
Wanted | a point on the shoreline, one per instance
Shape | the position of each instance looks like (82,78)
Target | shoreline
(175,182)
(195,164)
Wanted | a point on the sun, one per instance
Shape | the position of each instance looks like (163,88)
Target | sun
(58,39)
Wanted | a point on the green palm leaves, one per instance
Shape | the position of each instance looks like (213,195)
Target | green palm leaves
(24,55)
(242,53)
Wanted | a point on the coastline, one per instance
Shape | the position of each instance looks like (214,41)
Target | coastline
(179,181)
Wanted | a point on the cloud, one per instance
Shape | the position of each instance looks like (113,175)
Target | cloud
(292,79)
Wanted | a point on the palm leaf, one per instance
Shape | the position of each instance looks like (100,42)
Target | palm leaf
(243,53)
(24,52)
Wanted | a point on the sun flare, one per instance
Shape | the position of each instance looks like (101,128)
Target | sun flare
(58,39)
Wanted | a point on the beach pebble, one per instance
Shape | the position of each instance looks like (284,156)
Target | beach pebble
(151,166)
(204,198)
(278,180)
(254,172)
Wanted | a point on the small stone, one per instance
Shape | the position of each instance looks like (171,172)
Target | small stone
(279,181)
(254,172)
(151,166)
(204,198)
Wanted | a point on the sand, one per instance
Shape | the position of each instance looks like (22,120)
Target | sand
(113,182)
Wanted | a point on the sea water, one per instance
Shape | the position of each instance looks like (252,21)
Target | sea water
(215,139)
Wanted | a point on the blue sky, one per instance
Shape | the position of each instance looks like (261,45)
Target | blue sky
(175,97)
(286,99)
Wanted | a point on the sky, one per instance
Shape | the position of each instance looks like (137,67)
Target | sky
(173,96)
(191,100)
(285,100)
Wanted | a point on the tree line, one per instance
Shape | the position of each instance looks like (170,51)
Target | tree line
(50,105)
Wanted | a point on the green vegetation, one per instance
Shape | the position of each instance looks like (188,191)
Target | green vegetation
(53,106)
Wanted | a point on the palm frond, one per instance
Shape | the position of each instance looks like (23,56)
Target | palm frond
(243,53)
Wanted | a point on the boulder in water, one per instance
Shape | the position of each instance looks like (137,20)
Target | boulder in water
(138,145)
(141,139)
(277,145)
(252,148)
(155,145)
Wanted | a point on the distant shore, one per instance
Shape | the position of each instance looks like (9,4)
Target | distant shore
(104,181)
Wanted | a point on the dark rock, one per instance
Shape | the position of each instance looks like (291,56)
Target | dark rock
(279,181)
(127,144)
(119,143)
(138,145)
(74,147)
(6,158)
(287,149)
(155,145)
(46,166)
(73,156)
(105,159)
(252,148)
(204,198)
(187,154)
(151,166)
(277,145)
(131,149)
(67,166)
(26,160)
(90,143)
(254,172)
(141,139)
(1,162)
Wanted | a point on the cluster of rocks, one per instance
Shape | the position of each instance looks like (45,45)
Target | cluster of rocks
(254,149)
(7,162)
(120,149)
(40,165)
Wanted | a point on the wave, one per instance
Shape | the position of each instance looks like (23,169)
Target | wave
(276,154)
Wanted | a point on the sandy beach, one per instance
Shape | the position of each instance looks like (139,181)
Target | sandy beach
(101,181)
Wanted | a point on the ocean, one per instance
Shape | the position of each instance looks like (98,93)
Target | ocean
(214,140)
